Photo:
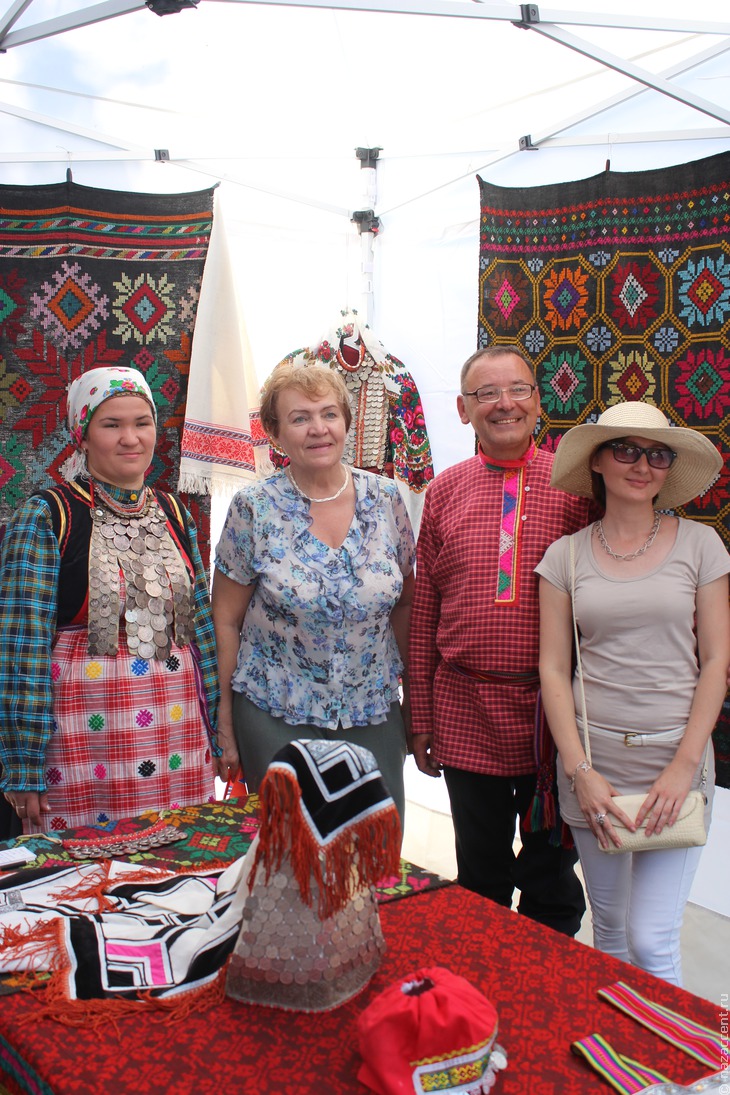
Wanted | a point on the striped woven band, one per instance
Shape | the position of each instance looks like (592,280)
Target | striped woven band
(698,1041)
(622,1073)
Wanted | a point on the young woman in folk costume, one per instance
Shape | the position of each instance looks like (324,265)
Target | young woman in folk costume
(108,679)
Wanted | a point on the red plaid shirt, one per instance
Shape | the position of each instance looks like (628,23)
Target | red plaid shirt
(456,619)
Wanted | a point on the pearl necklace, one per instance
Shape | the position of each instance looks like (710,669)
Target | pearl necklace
(632,554)
(331,498)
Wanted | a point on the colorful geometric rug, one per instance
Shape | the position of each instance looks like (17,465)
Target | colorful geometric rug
(618,287)
(217,833)
(94,277)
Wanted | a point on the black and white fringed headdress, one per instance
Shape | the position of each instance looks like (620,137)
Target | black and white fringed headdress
(324,804)
(311,936)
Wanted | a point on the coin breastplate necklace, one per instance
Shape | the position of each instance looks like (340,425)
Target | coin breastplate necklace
(158,598)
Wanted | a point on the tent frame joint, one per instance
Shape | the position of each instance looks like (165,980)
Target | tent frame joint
(366,221)
(530,15)
(525,144)
(368,156)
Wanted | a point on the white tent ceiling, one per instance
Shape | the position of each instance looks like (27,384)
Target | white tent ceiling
(273,99)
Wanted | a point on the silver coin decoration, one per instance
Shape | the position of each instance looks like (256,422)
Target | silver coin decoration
(158,595)
(79,849)
(288,957)
(366,444)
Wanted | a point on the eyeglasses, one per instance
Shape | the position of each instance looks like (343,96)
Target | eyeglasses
(627,453)
(492,394)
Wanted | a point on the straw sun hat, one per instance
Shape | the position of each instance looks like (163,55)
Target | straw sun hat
(697,465)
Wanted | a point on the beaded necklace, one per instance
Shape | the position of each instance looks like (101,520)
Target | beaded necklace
(139,502)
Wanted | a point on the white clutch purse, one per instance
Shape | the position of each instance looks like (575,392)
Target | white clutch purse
(688,830)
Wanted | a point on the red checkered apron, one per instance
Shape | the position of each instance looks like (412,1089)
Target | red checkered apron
(129,736)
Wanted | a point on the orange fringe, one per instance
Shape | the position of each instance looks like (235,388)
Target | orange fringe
(98,1014)
(43,943)
(358,857)
(94,886)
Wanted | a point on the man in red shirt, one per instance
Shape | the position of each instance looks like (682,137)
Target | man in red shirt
(474,639)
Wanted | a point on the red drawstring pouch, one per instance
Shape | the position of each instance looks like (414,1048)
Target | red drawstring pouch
(433,1031)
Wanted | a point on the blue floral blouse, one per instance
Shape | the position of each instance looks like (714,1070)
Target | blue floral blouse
(317,647)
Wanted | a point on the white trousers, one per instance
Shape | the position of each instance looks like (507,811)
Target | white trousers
(637,902)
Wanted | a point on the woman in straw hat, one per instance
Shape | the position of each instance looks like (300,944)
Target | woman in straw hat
(651,597)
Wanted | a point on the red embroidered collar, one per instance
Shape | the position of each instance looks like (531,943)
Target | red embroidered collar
(507,465)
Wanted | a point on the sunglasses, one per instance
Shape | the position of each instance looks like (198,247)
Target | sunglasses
(628,453)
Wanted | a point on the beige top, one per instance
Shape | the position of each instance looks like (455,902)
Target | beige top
(638,649)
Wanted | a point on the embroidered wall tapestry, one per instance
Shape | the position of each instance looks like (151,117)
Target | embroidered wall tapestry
(94,277)
(618,287)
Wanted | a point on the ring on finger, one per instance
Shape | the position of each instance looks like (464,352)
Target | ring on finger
(600,818)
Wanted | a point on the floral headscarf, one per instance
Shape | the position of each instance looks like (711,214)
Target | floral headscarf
(87,393)
(91,389)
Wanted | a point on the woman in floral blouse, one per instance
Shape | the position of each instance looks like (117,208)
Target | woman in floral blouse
(312,590)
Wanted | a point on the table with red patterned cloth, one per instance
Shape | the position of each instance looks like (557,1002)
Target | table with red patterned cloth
(543,985)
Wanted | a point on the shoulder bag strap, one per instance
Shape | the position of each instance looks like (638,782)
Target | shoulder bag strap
(579,663)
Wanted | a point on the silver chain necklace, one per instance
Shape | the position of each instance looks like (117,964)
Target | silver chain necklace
(331,498)
(632,554)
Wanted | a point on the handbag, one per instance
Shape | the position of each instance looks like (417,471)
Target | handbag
(688,831)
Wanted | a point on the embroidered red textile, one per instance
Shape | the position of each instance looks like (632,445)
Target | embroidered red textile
(543,985)
(95,277)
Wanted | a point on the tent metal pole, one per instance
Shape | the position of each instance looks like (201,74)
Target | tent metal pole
(12,15)
(368,226)
(97,13)
(536,141)
(137,151)
(630,93)
(189,161)
(627,68)
(455,9)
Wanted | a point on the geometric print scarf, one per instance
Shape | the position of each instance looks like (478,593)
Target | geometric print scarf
(94,277)
(162,935)
(617,287)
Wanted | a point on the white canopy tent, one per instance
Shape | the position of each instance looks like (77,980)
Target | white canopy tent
(272,100)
